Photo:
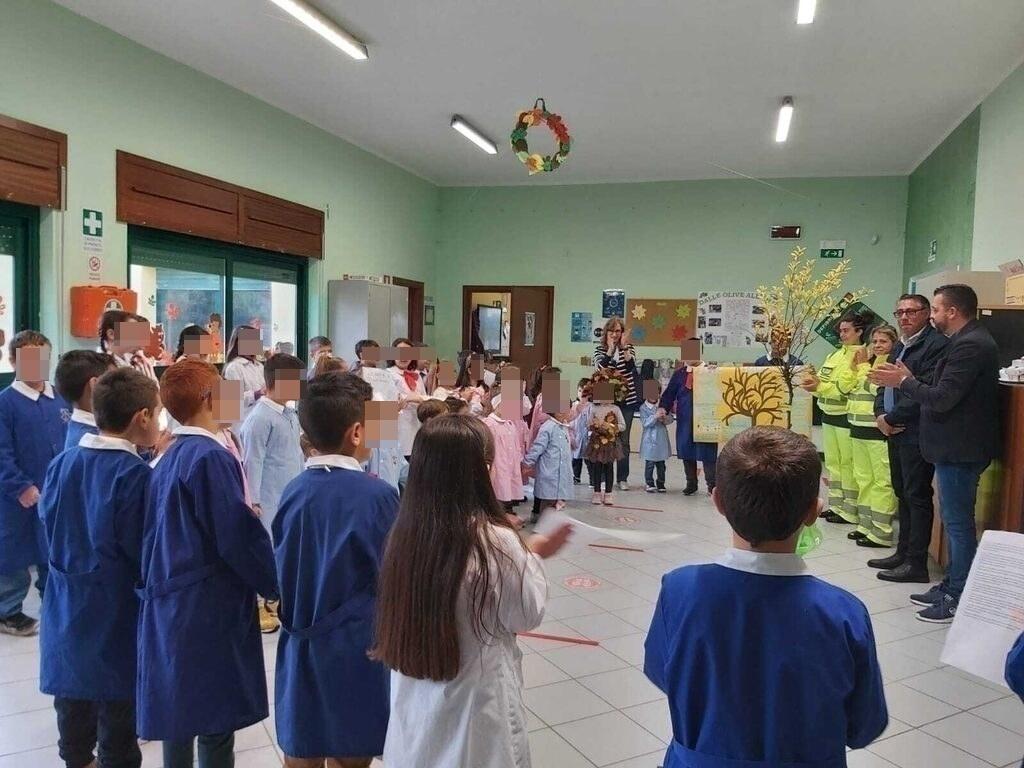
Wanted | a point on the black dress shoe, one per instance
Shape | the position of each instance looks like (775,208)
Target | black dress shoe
(689,490)
(866,542)
(832,517)
(906,574)
(855,535)
(888,563)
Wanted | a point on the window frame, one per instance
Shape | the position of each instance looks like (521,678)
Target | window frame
(229,254)
(26,273)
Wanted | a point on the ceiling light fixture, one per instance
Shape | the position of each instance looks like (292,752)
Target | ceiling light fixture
(805,11)
(471,133)
(323,26)
(785,117)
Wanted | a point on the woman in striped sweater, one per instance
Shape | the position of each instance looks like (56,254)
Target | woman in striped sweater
(616,352)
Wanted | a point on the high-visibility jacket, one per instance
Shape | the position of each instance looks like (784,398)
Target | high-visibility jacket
(836,380)
(860,403)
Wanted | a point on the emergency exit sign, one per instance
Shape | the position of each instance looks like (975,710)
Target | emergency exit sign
(833,249)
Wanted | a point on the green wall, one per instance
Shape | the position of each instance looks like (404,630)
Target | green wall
(108,93)
(940,203)
(999,211)
(658,240)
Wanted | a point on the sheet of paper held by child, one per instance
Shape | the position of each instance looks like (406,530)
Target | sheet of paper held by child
(585,533)
(990,616)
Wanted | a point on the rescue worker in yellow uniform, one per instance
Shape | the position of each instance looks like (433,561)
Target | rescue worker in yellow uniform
(832,385)
(876,500)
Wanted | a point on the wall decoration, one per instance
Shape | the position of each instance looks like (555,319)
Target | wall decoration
(613,302)
(428,314)
(729,399)
(581,326)
(731,319)
(660,322)
(828,328)
(529,328)
(539,115)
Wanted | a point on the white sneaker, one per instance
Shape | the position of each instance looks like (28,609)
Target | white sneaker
(651,489)
(623,486)
(609,500)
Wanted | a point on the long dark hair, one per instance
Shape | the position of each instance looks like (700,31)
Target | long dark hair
(442,537)
(861,319)
(233,343)
(466,358)
(188,332)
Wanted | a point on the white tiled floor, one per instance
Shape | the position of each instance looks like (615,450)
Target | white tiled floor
(592,706)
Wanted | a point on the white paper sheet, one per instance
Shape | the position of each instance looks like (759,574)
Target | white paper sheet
(990,616)
(382,381)
(584,533)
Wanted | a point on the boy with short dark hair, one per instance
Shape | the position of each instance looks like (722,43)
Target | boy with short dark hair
(91,510)
(764,664)
(205,558)
(330,532)
(33,428)
(361,354)
(74,379)
(430,409)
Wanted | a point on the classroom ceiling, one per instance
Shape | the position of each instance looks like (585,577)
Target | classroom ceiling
(649,89)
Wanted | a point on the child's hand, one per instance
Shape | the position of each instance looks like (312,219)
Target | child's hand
(549,546)
(513,520)
(29,497)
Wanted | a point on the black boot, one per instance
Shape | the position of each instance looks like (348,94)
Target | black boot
(888,563)
(855,535)
(906,574)
(866,542)
(690,467)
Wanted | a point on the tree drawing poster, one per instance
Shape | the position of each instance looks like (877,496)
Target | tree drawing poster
(661,322)
(730,399)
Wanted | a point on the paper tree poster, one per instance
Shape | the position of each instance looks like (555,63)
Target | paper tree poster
(727,400)
(660,322)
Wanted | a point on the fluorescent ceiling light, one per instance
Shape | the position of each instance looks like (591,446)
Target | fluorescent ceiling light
(323,26)
(473,135)
(785,117)
(805,11)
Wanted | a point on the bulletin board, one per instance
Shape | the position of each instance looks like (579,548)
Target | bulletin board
(661,322)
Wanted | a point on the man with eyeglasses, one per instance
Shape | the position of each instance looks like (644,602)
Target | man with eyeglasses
(897,416)
(959,431)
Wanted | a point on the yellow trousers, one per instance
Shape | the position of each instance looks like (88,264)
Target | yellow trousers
(876,501)
(842,486)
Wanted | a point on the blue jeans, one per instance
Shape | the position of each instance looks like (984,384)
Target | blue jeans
(958,489)
(13,588)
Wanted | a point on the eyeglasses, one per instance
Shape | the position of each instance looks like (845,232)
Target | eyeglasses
(907,312)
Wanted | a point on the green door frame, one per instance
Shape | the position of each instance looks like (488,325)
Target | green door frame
(24,219)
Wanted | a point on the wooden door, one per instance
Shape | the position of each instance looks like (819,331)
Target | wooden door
(531,305)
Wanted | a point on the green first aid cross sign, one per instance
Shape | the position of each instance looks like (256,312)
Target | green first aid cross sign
(92,223)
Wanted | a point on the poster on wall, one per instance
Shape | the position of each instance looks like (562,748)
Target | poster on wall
(828,329)
(613,303)
(660,322)
(729,399)
(731,319)
(581,327)
(529,328)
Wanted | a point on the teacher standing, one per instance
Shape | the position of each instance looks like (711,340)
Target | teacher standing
(616,352)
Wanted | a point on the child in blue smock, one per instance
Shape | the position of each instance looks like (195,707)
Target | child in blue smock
(654,446)
(763,664)
(580,425)
(331,700)
(74,379)
(550,457)
(33,428)
(92,509)
(205,558)
(1015,667)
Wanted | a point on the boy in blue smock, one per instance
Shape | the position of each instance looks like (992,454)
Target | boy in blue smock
(33,427)
(654,446)
(74,379)
(331,700)
(92,510)
(205,558)
(550,456)
(764,664)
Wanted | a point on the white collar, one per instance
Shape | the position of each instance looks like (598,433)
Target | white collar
(24,389)
(277,407)
(494,415)
(333,460)
(198,432)
(106,443)
(83,417)
(909,340)
(763,563)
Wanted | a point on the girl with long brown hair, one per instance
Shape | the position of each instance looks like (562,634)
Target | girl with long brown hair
(455,586)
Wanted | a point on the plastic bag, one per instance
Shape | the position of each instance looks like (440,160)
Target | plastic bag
(810,537)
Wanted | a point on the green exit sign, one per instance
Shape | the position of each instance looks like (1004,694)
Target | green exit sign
(833,249)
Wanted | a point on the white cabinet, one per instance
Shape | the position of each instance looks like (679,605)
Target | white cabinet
(361,309)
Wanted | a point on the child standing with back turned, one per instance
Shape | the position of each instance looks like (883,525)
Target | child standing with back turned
(763,664)
(74,379)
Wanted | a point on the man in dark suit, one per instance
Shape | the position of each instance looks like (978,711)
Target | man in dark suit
(897,416)
(959,430)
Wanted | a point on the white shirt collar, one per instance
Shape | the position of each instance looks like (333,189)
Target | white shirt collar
(107,443)
(494,415)
(24,389)
(83,417)
(763,563)
(909,340)
(333,460)
(277,407)
(198,432)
